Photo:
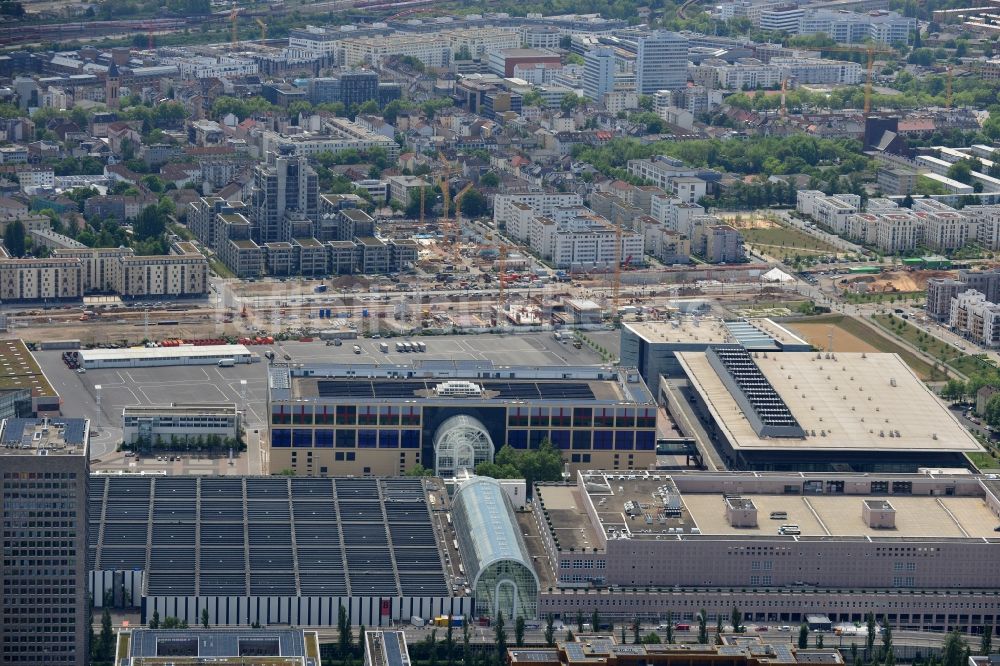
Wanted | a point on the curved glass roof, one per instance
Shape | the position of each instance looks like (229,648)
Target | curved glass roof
(486,528)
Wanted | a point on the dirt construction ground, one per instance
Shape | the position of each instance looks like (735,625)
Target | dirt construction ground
(817,334)
(893,281)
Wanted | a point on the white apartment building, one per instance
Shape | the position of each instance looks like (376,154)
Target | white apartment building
(586,240)
(820,70)
(834,211)
(480,42)
(431,49)
(744,74)
(337,135)
(40,279)
(784,18)
(204,67)
(32,178)
(945,231)
(882,27)
(314,42)
(674,214)
(976,318)
(660,170)
(543,204)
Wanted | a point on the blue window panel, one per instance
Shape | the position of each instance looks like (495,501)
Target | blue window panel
(324,439)
(517,439)
(388,439)
(536,437)
(411,439)
(345,438)
(366,439)
(560,439)
(645,440)
(603,440)
(581,439)
(302,438)
(281,438)
(624,440)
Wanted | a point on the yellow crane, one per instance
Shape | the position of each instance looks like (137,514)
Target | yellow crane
(616,283)
(948,84)
(263,30)
(870,50)
(501,271)
(233,15)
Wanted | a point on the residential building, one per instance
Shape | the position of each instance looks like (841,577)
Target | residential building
(31,279)
(976,318)
(820,71)
(181,274)
(661,62)
(432,50)
(784,18)
(743,74)
(44,470)
(882,27)
(284,183)
(723,244)
(945,231)
(356,88)
(504,61)
(583,239)
(508,207)
(332,135)
(897,181)
(940,292)
(401,188)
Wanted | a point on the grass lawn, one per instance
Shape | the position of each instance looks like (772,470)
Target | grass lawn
(220,268)
(862,330)
(891,297)
(785,240)
(983,460)
(961,362)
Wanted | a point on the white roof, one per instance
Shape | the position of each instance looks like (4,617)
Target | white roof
(776,275)
(222,351)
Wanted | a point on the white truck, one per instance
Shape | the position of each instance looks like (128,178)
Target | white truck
(417,621)
(227,362)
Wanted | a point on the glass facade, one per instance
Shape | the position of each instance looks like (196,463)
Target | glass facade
(496,559)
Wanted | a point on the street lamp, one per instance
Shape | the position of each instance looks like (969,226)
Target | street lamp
(97,393)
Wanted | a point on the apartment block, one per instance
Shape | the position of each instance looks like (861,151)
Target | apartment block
(40,279)
(508,206)
(973,316)
(583,240)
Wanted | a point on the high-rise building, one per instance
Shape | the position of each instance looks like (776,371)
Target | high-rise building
(358,88)
(598,73)
(284,184)
(661,62)
(44,466)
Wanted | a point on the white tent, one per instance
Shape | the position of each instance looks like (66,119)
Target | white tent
(776,275)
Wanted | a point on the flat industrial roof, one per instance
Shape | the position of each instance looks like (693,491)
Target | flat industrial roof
(267,536)
(615,496)
(757,333)
(844,401)
(190,351)
(20,370)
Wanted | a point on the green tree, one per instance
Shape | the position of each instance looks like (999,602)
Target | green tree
(886,636)
(543,464)
(819,641)
(13,238)
(519,631)
(986,640)
(636,630)
(670,627)
(489,179)
(106,640)
(953,652)
(466,640)
(652,638)
(474,204)
(171,622)
(595,621)
(736,619)
(872,629)
(953,390)
(579,622)
(501,640)
(154,622)
(992,411)
(803,636)
(550,631)
(703,627)
(961,171)
(344,628)
(204,618)
(419,470)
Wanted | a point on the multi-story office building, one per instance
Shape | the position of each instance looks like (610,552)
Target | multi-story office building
(661,62)
(356,88)
(178,422)
(784,18)
(44,469)
(383,420)
(335,135)
(285,183)
(598,73)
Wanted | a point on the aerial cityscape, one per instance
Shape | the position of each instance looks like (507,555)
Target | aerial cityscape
(493,333)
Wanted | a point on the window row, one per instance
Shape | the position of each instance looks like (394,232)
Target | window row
(582,417)
(344,439)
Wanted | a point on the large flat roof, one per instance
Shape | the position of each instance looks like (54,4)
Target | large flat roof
(191,351)
(756,333)
(20,370)
(622,501)
(268,536)
(844,401)
(48,437)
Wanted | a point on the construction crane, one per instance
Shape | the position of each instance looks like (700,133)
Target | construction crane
(948,84)
(501,273)
(263,30)
(616,281)
(870,50)
(784,90)
(233,15)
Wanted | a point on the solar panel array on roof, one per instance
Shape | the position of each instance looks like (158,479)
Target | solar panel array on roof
(267,536)
(365,389)
(758,393)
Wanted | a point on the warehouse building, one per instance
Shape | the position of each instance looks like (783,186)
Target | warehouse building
(812,411)
(652,346)
(270,550)
(382,420)
(144,357)
(779,546)
(24,388)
